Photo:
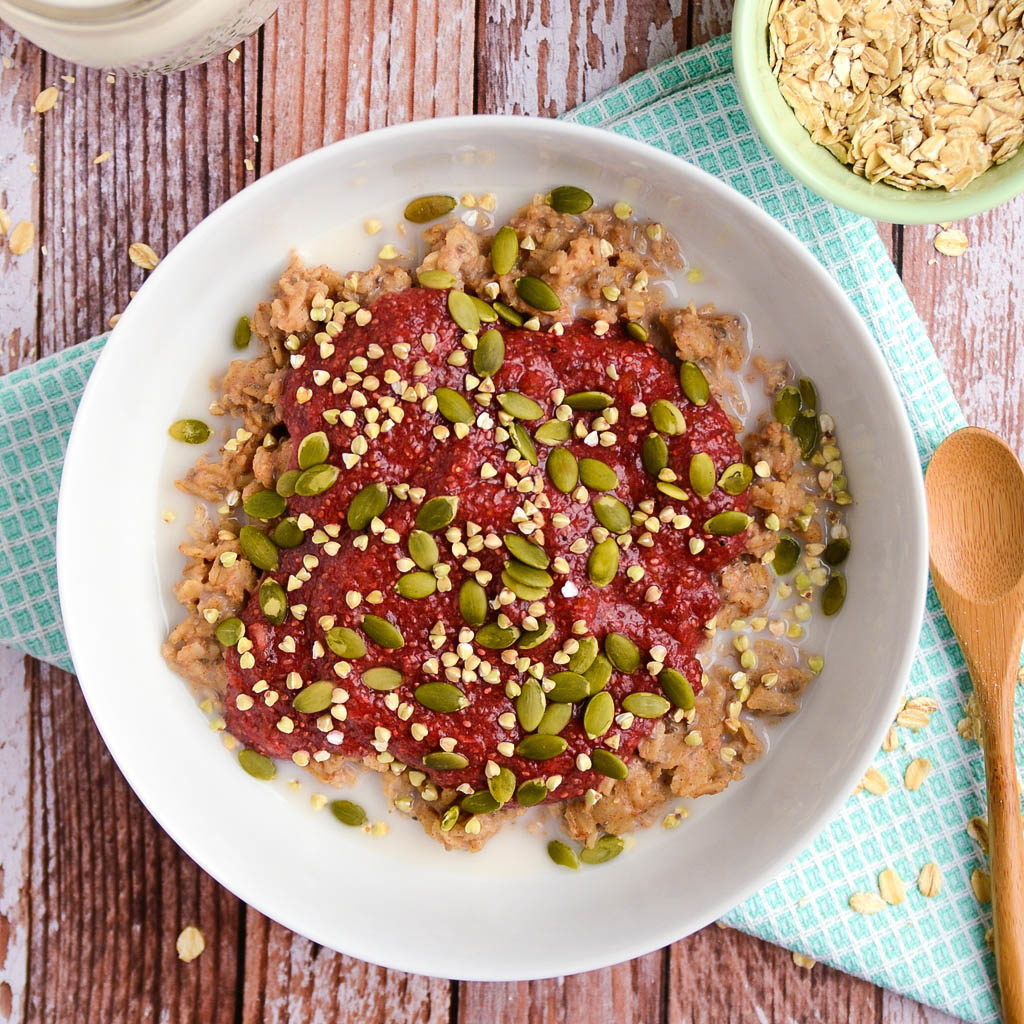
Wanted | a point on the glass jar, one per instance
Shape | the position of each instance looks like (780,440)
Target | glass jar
(136,35)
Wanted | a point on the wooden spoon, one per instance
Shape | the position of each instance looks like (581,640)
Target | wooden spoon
(975,489)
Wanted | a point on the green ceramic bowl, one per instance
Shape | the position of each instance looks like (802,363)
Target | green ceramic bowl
(819,170)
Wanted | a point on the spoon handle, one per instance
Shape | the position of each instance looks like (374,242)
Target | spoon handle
(1006,850)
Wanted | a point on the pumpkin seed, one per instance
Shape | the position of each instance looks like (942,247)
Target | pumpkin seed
(569,687)
(511,316)
(836,551)
(345,642)
(552,432)
(423,549)
(437,513)
(702,474)
(313,699)
(463,311)
(807,430)
(441,697)
(369,502)
(313,449)
(556,718)
(537,293)
(736,478)
(450,818)
(382,632)
(667,417)
(316,480)
(273,602)
(528,574)
(427,208)
(599,714)
(562,855)
(605,849)
(541,748)
(285,485)
(603,563)
(563,469)
(535,637)
(258,766)
(480,802)
(598,475)
(808,394)
(264,505)
(504,250)
(646,705)
(608,764)
(531,792)
(502,786)
(834,594)
(416,585)
(287,534)
(382,678)
(522,441)
(584,655)
(484,311)
(473,603)
(622,652)
(588,401)
(190,431)
(526,551)
(445,761)
(727,524)
(694,383)
(676,687)
(654,454)
(635,330)
(598,674)
(569,199)
(493,637)
(523,590)
(348,813)
(530,705)
(453,406)
(258,548)
(243,333)
(230,631)
(519,406)
(489,354)
(439,279)
(612,514)
(673,491)
(786,405)
(787,551)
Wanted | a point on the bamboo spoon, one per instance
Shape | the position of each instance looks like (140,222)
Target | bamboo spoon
(975,489)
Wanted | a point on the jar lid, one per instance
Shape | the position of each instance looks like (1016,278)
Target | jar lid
(85,10)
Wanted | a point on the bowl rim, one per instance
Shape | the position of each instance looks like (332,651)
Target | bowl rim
(887,204)
(430,961)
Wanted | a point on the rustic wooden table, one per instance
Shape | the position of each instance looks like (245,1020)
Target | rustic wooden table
(92,892)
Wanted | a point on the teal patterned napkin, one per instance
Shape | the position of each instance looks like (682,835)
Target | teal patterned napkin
(931,949)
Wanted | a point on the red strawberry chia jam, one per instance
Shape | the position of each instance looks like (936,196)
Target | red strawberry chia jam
(373,391)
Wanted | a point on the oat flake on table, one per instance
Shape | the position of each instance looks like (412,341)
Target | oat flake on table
(915,93)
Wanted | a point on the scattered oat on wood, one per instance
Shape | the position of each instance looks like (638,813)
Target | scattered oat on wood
(102,158)
(874,782)
(22,237)
(234,54)
(804,961)
(982,885)
(5,222)
(46,100)
(969,727)
(867,902)
(892,887)
(190,944)
(143,256)
(977,829)
(929,881)
(910,92)
(917,771)
(950,243)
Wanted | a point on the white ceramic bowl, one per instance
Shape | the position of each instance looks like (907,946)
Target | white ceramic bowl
(402,901)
